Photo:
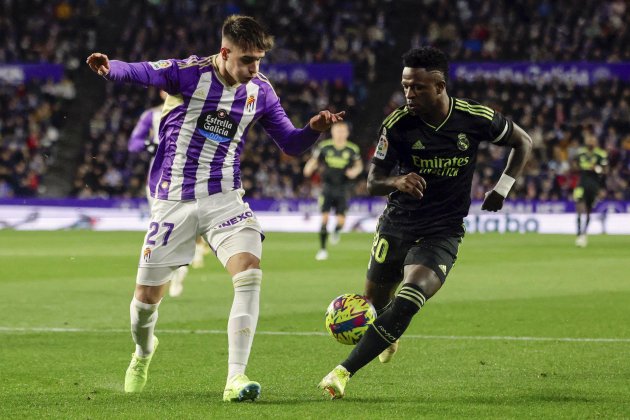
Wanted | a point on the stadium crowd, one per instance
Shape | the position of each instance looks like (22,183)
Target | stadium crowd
(32,113)
(557,117)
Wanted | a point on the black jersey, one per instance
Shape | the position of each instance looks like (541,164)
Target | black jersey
(592,164)
(444,156)
(336,162)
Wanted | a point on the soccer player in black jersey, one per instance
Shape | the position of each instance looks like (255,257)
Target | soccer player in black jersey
(424,163)
(340,162)
(592,162)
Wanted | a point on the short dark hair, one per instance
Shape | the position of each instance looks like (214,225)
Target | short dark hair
(247,33)
(428,58)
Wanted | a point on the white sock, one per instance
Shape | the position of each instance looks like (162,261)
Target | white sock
(143,319)
(243,319)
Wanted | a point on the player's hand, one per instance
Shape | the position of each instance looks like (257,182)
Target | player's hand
(493,201)
(325,119)
(99,63)
(412,184)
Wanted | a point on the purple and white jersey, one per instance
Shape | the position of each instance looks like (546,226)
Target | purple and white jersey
(204,123)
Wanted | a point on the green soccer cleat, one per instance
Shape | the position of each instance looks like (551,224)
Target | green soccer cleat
(136,376)
(240,388)
(388,353)
(335,382)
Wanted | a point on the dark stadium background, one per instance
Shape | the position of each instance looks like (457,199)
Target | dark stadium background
(68,138)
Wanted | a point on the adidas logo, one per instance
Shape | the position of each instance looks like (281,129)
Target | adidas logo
(443,268)
(417,145)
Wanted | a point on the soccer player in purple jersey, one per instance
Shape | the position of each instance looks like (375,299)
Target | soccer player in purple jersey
(195,178)
(145,136)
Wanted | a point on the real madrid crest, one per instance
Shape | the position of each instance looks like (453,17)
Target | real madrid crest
(462,142)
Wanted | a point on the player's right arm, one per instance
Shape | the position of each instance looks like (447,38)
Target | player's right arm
(163,74)
(380,182)
(311,164)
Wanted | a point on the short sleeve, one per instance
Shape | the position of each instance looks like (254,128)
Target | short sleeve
(500,129)
(385,155)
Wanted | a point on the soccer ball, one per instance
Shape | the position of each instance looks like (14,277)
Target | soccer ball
(348,317)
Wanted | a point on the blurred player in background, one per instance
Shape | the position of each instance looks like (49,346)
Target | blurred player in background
(195,181)
(145,136)
(591,161)
(339,162)
(424,163)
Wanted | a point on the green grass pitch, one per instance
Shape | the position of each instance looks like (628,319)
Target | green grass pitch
(526,326)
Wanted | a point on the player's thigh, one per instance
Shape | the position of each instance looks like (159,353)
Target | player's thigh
(325,202)
(241,251)
(385,269)
(429,262)
(170,238)
(590,197)
(230,227)
(341,204)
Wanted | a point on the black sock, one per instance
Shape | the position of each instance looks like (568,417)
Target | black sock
(579,225)
(387,328)
(323,236)
(588,219)
(380,311)
(338,227)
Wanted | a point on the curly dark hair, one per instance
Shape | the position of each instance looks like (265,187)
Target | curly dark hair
(428,58)
(247,33)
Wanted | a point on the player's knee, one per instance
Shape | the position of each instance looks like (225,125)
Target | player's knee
(149,294)
(424,277)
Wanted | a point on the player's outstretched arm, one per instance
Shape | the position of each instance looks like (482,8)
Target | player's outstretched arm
(163,74)
(521,145)
(380,183)
(325,119)
(294,141)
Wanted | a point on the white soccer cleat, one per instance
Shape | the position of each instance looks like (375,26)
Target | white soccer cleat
(388,353)
(177,281)
(334,384)
(321,255)
(335,237)
(581,241)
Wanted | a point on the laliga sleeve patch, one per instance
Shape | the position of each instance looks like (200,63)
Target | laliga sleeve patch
(381,147)
(162,64)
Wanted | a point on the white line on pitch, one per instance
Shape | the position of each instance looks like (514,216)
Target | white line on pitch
(315,333)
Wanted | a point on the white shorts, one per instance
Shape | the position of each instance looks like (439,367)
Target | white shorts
(174,226)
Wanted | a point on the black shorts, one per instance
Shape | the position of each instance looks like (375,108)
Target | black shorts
(337,200)
(390,254)
(586,193)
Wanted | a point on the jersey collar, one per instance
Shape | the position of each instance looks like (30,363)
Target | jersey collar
(450,110)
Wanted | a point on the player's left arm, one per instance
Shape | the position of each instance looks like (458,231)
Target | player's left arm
(521,145)
(291,140)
